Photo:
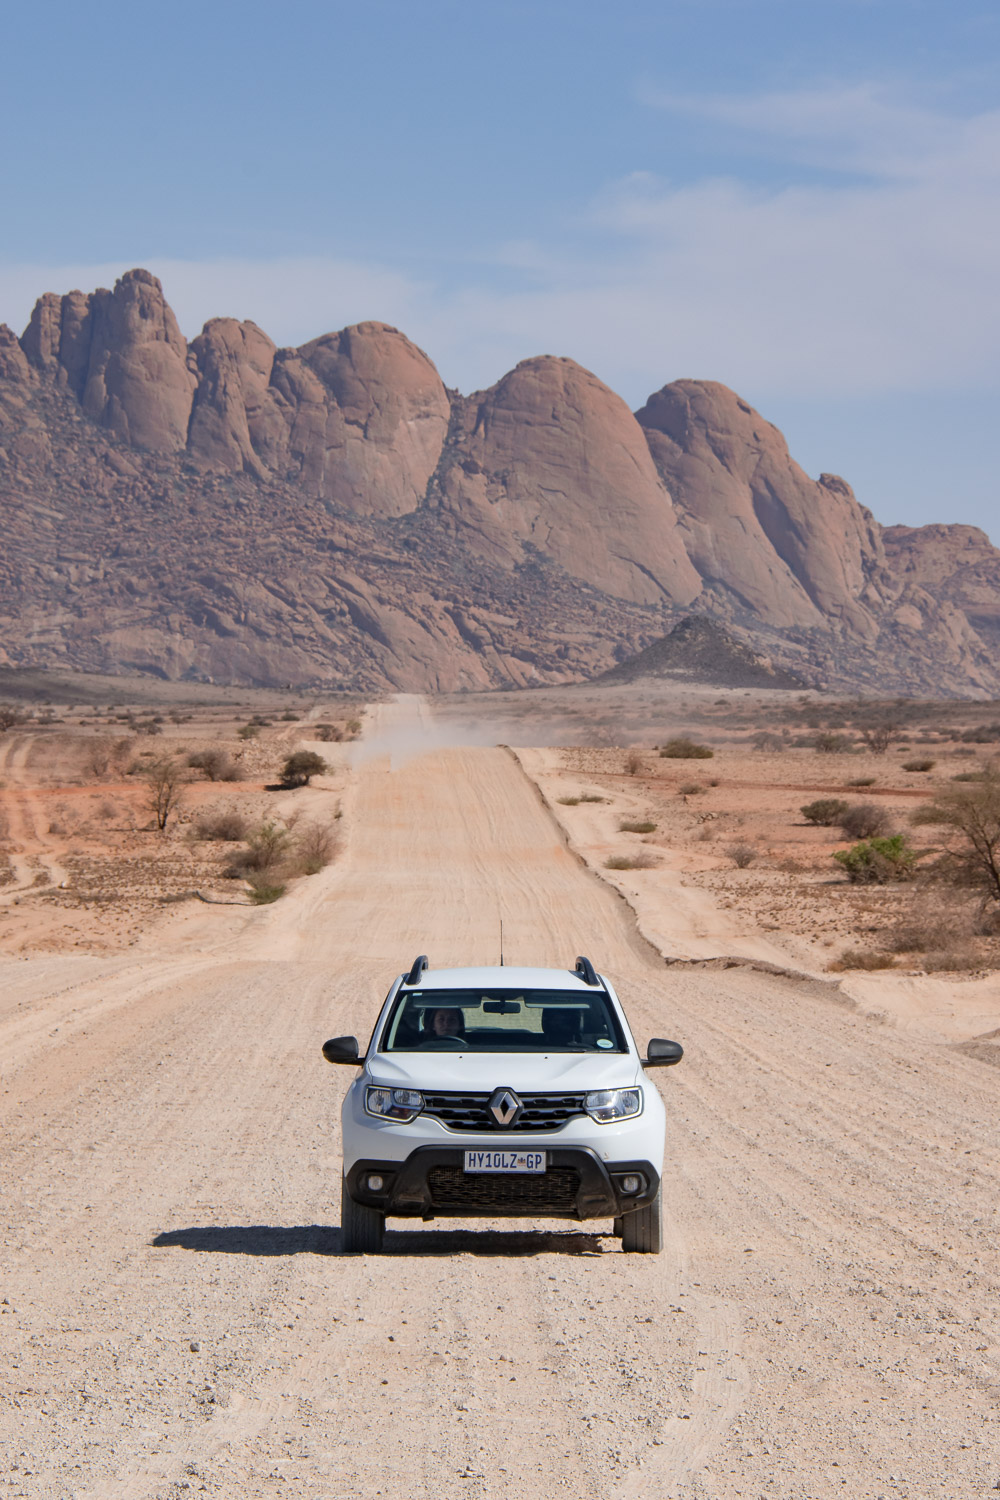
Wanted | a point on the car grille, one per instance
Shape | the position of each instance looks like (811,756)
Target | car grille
(469,1112)
(450,1187)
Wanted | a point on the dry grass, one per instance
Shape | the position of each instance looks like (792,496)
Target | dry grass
(631,862)
(636,826)
(855,958)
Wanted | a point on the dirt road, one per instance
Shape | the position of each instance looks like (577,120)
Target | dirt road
(175,1315)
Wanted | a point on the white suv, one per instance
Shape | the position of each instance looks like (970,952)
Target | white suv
(502,1092)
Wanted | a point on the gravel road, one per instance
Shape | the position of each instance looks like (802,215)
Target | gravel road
(175,1314)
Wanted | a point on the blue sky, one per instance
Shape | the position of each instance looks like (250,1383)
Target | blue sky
(795,197)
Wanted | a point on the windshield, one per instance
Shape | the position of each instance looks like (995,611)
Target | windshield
(501,1020)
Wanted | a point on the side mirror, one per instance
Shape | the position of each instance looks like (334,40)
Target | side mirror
(662,1054)
(342,1049)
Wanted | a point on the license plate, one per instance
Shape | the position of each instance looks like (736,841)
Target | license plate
(505,1161)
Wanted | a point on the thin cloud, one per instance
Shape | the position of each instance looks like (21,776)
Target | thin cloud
(878,283)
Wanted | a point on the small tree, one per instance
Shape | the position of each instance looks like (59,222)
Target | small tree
(165,780)
(10,717)
(301,766)
(972,811)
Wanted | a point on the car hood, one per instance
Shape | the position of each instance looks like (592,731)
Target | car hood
(545,1072)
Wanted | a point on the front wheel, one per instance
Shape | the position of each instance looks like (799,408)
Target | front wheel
(361,1228)
(643,1229)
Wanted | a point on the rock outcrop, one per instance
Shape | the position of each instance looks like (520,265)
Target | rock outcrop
(793,551)
(332,515)
(122,354)
(552,460)
(700,650)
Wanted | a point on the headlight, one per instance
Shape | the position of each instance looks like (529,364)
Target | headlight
(394,1104)
(605,1105)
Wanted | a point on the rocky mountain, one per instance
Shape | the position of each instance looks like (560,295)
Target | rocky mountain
(333,515)
(700,650)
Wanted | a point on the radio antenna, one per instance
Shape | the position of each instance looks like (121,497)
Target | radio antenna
(501,942)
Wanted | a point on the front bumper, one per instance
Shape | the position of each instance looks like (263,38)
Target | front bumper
(431,1183)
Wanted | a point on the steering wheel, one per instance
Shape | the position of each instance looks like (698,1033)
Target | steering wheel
(443,1044)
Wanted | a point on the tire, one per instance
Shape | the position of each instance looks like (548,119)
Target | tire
(361,1227)
(643,1229)
(616,1228)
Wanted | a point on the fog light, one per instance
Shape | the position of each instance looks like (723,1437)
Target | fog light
(375,1182)
(630,1184)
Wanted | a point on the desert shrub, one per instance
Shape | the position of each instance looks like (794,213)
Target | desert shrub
(10,716)
(764,739)
(690,789)
(267,844)
(953,959)
(353,727)
(982,734)
(328,733)
(301,766)
(833,744)
(919,765)
(862,781)
(289,716)
(926,928)
(972,813)
(634,763)
(742,855)
(878,861)
(569,801)
(630,862)
(228,826)
(968,776)
(684,749)
(636,826)
(248,732)
(315,845)
(714,781)
(856,958)
(705,833)
(591,797)
(263,891)
(824,812)
(865,820)
(217,764)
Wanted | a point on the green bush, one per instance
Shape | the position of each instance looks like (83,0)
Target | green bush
(878,861)
(636,826)
(825,812)
(685,749)
(262,891)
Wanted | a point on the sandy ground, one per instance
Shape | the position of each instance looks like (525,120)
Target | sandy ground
(176,1316)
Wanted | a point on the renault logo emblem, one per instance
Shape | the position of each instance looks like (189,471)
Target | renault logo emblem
(505,1107)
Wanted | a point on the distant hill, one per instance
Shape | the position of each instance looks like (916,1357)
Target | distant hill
(224,510)
(699,649)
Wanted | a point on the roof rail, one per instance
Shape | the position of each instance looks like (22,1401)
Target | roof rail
(585,969)
(416,969)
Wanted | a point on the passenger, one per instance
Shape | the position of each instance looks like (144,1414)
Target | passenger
(561,1027)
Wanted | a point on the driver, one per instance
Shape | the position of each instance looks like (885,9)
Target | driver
(445,1021)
